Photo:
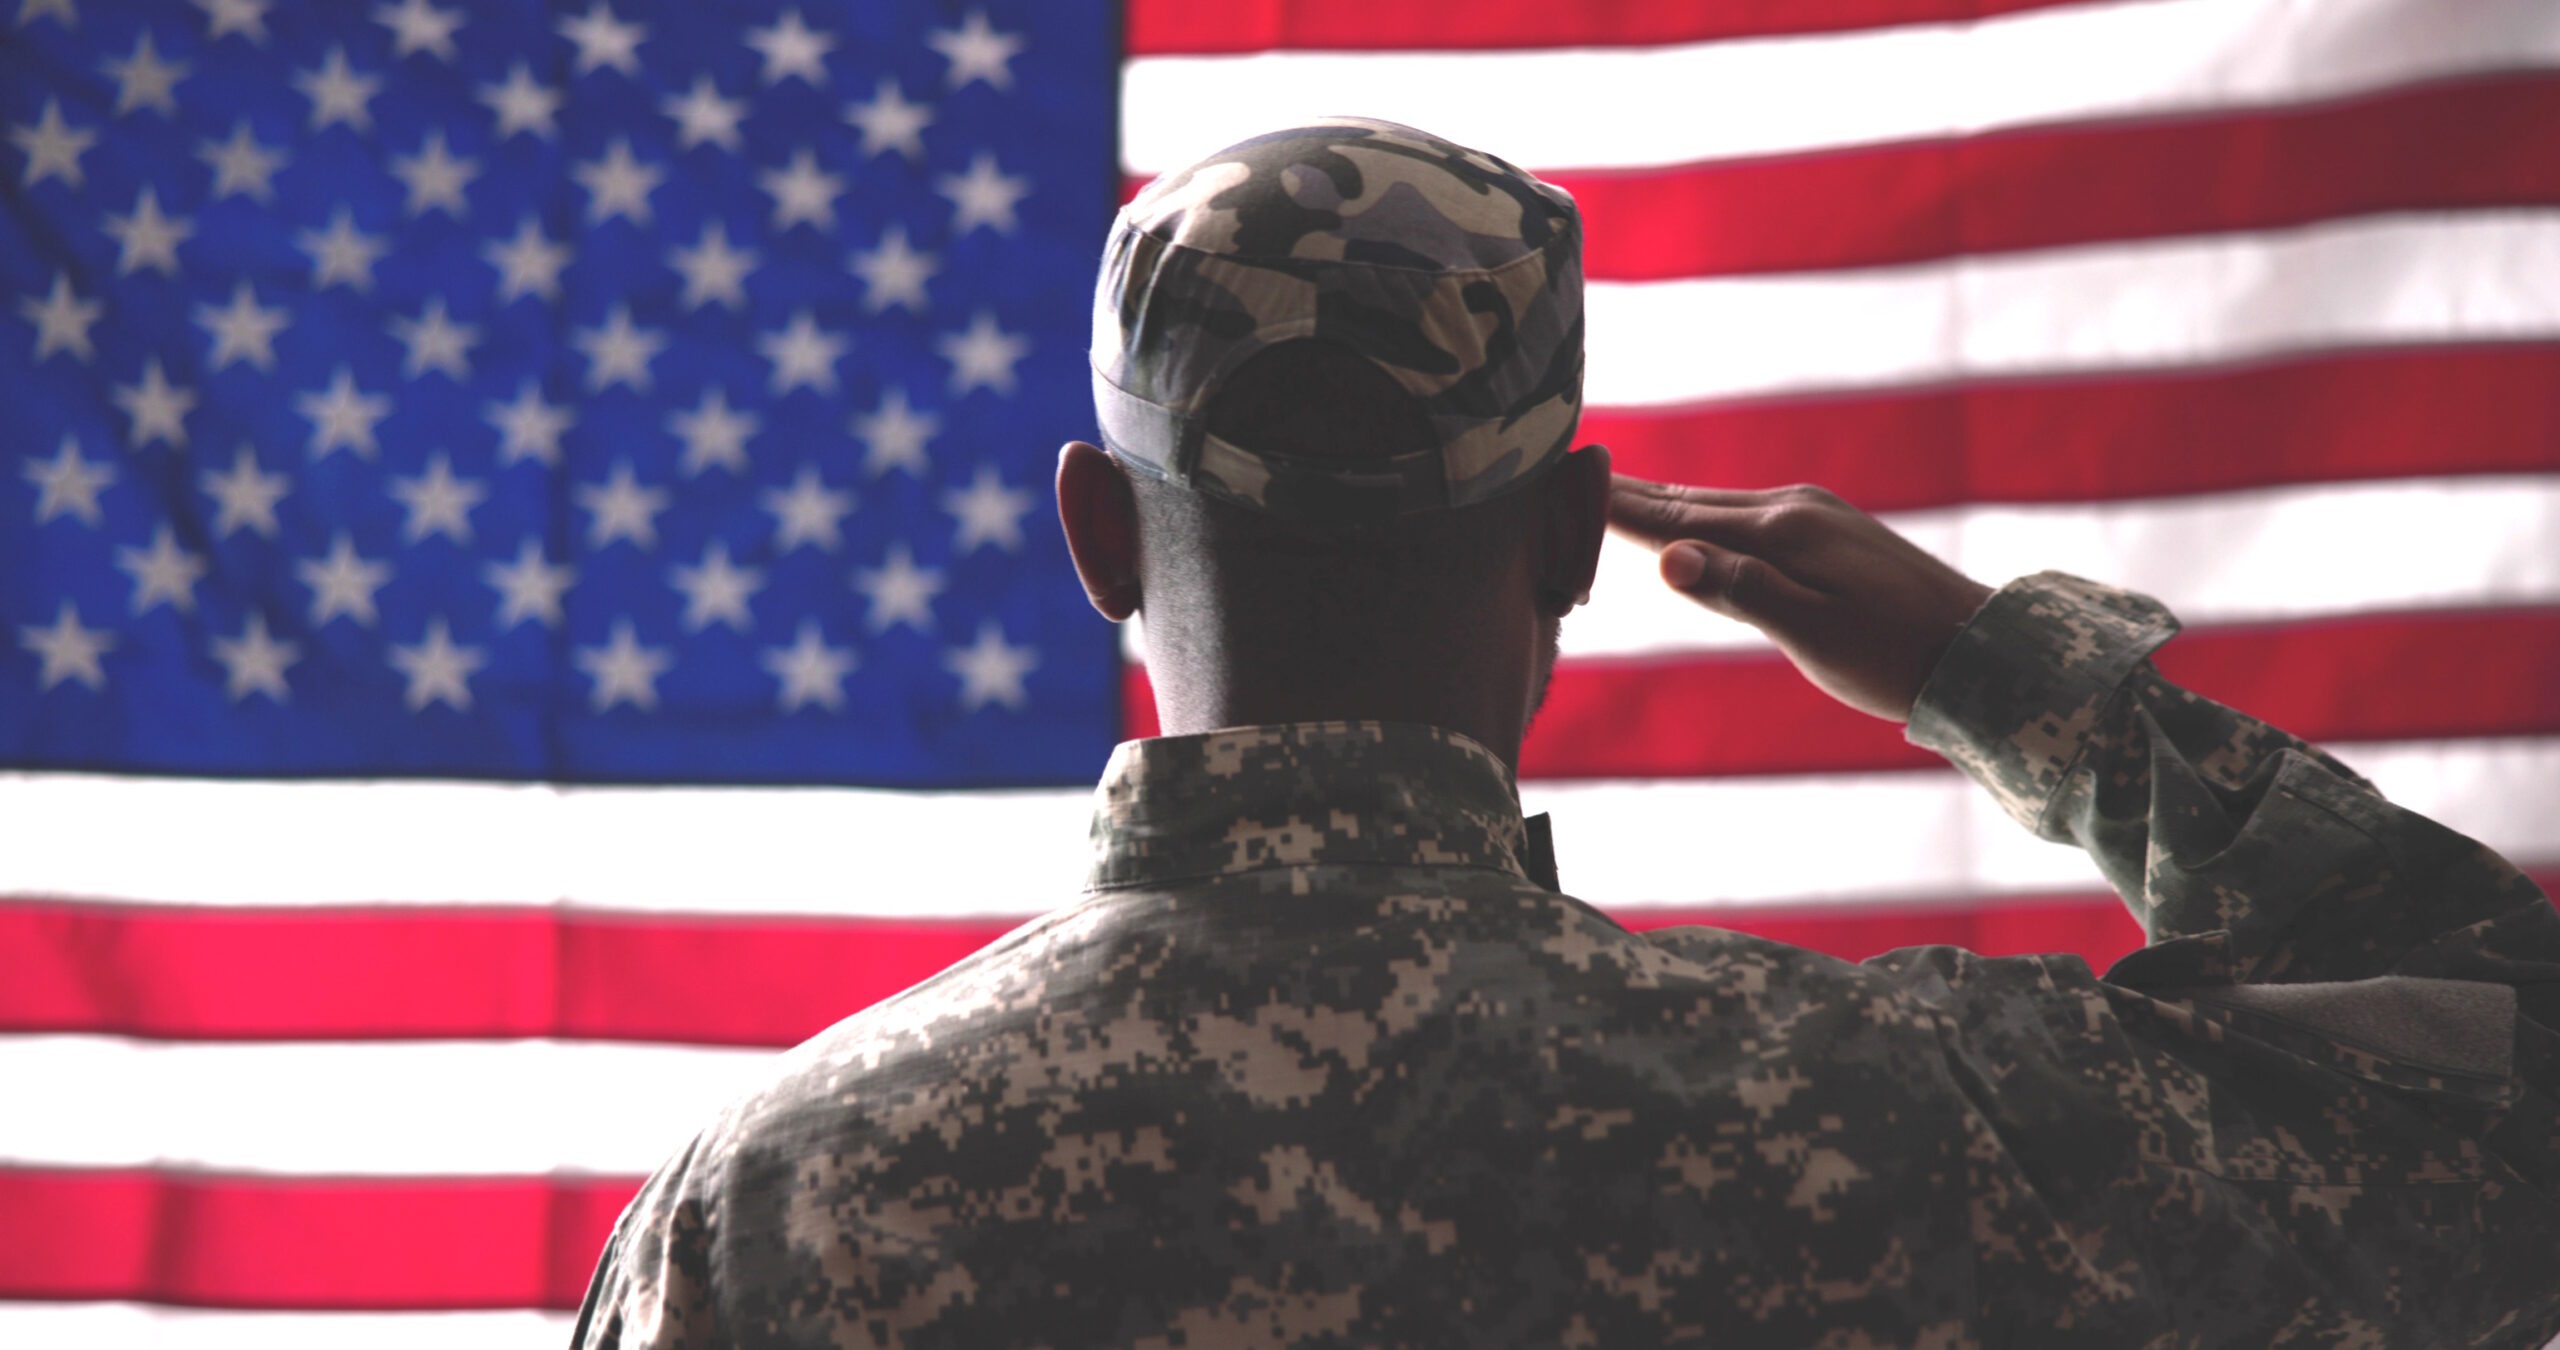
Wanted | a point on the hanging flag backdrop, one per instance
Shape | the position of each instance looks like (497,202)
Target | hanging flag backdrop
(527,577)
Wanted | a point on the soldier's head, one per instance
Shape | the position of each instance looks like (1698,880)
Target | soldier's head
(1338,370)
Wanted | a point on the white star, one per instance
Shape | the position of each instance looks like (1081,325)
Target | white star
(983,355)
(900,592)
(528,264)
(438,502)
(717,591)
(438,670)
(338,93)
(147,238)
(417,26)
(991,670)
(53,147)
(436,177)
(702,116)
(62,320)
(802,355)
(889,122)
(143,80)
(810,670)
(713,270)
(988,512)
(714,434)
(792,48)
(984,195)
(618,184)
(342,583)
(624,671)
(245,17)
(68,651)
(530,428)
(342,253)
(802,192)
(895,435)
(242,165)
(622,509)
(435,342)
(158,408)
(163,574)
(244,498)
(68,485)
(254,663)
(342,416)
(64,10)
(976,51)
(604,40)
(894,274)
(529,587)
(619,352)
(244,330)
(807,512)
(522,103)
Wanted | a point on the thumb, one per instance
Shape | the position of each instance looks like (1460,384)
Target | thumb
(1736,585)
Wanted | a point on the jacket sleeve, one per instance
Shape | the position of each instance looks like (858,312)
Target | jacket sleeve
(651,1287)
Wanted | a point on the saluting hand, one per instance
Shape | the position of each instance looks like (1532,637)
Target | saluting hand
(1862,611)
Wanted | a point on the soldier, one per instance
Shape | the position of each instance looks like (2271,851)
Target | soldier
(1321,1056)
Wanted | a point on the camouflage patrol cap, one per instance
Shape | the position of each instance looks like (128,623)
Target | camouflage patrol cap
(1454,272)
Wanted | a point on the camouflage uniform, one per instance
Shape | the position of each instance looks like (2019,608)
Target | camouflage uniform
(1314,1062)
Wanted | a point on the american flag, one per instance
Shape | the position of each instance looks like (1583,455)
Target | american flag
(526,583)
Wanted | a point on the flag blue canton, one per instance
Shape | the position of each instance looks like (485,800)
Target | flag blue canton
(602,392)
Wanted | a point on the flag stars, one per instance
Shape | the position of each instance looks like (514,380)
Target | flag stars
(342,584)
(68,485)
(158,408)
(802,355)
(811,672)
(900,592)
(435,177)
(530,428)
(985,195)
(52,146)
(976,51)
(520,103)
(619,352)
(66,650)
(987,512)
(438,670)
(792,50)
(244,498)
(342,416)
(703,117)
(618,184)
(807,512)
(620,508)
(163,574)
(802,192)
(437,502)
(62,320)
(255,661)
(528,264)
(982,356)
(242,166)
(713,271)
(894,273)
(894,435)
(146,238)
(623,670)
(435,342)
(717,590)
(342,254)
(418,26)
(603,41)
(991,670)
(248,18)
(143,80)
(890,122)
(338,93)
(243,330)
(714,434)
(529,587)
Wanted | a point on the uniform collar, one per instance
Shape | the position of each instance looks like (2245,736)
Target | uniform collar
(1392,793)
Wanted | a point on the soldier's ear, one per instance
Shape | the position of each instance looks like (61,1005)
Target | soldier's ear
(1099,514)
(1574,520)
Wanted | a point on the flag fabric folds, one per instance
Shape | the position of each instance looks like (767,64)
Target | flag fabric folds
(526,579)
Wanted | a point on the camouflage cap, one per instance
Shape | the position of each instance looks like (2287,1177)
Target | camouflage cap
(1456,273)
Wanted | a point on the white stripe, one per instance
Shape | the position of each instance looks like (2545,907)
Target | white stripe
(1633,107)
(2472,276)
(135,1326)
(1743,841)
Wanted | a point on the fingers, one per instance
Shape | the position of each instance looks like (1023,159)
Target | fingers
(1737,585)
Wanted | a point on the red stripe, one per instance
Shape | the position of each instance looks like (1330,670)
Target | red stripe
(1177,27)
(2332,417)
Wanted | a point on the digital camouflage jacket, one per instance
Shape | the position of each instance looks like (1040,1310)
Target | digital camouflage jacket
(1314,1062)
